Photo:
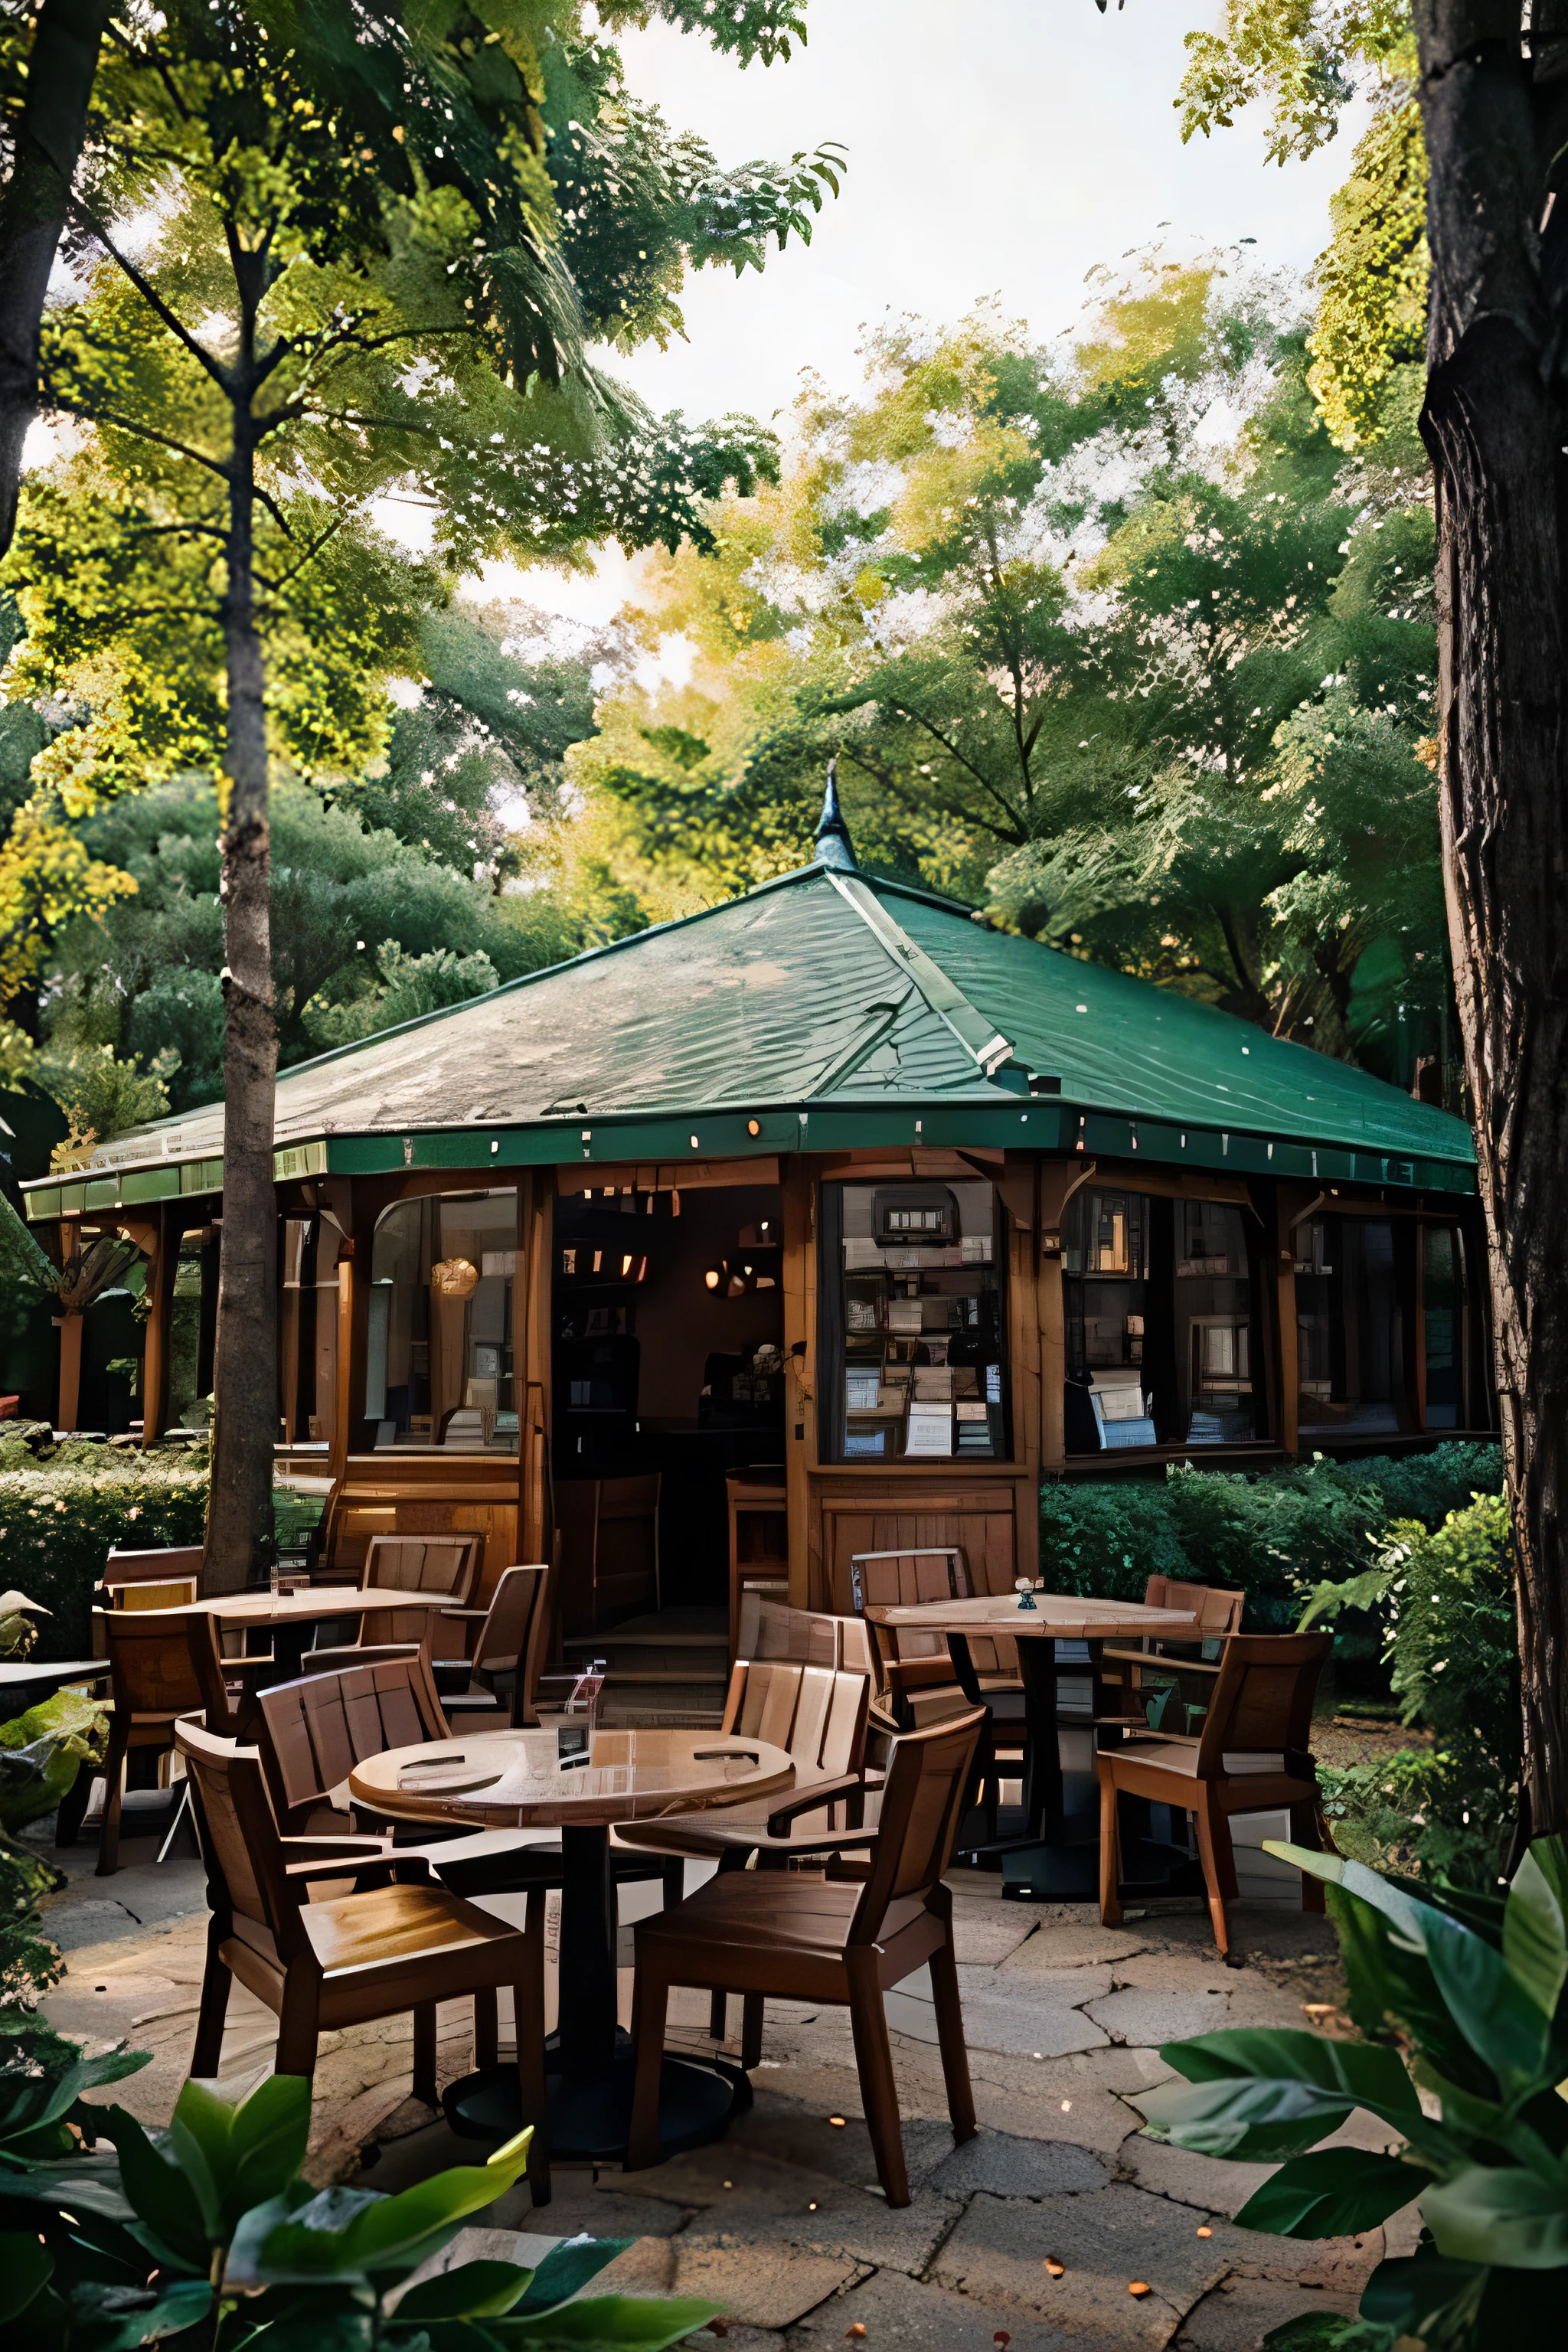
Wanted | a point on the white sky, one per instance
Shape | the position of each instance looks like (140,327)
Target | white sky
(999,147)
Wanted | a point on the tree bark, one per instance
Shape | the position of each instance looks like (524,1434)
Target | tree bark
(1495,423)
(245,1386)
(61,68)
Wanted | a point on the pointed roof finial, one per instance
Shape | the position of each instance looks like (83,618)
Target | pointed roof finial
(834,846)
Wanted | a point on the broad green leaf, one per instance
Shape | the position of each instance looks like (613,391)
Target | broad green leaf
(1500,2214)
(1362,2074)
(1249,2121)
(474,2290)
(240,2145)
(1334,2193)
(610,2322)
(1535,1924)
(567,2269)
(117,2319)
(29,2102)
(1508,2030)
(1417,2294)
(345,2233)
(164,2200)
(84,2184)
(26,2266)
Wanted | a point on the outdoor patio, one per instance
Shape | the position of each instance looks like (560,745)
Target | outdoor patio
(781,2223)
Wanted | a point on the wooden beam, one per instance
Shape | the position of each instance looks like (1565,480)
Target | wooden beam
(160,1273)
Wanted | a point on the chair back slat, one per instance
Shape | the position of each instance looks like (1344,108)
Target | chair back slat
(175,1560)
(928,1774)
(173,1592)
(150,1661)
(770,1630)
(811,1708)
(903,1580)
(843,1745)
(856,1655)
(358,1712)
(503,1644)
(240,1836)
(1263,1694)
(1218,1613)
(297,1780)
(440,1564)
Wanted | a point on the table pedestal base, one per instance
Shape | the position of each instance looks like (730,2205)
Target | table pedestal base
(697,2100)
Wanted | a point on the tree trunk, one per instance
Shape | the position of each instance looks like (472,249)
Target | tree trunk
(245,1384)
(1495,423)
(61,66)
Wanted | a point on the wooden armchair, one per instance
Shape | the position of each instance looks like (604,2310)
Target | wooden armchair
(1252,1754)
(146,1579)
(446,1567)
(1142,1681)
(154,1683)
(914,1670)
(841,1938)
(345,1960)
(502,1676)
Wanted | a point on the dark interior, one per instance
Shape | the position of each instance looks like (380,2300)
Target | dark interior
(661,1304)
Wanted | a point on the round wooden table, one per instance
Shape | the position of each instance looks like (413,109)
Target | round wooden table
(289,1616)
(1036,1622)
(514,1779)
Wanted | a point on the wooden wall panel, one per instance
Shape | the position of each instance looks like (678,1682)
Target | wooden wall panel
(984,1522)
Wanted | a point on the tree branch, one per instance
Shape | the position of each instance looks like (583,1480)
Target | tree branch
(151,296)
(68,408)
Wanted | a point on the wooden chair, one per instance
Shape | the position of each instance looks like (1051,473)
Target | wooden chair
(508,1651)
(320,1966)
(915,1680)
(842,1938)
(312,1733)
(147,1579)
(154,1683)
(1161,1663)
(446,1567)
(769,1629)
(914,1670)
(1252,1754)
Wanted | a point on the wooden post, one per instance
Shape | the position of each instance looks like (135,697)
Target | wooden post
(296,1234)
(1059,1180)
(799,1185)
(342,1396)
(530,1361)
(160,1273)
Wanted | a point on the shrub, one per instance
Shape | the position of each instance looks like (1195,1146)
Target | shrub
(208,2233)
(1273,1533)
(60,1518)
(1463,2004)
(1443,1600)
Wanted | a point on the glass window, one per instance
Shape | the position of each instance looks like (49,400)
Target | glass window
(1350,1327)
(914,1359)
(1163,1346)
(1443,1304)
(440,1368)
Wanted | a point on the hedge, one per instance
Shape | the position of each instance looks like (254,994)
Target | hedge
(59,1520)
(1273,1534)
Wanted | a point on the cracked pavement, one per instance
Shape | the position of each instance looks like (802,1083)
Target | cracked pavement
(782,2224)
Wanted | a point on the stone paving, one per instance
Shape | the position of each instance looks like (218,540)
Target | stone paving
(783,2223)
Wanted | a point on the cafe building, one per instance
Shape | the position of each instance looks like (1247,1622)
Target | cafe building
(829,1220)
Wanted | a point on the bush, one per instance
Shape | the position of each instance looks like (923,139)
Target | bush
(1444,1602)
(1272,1534)
(60,1518)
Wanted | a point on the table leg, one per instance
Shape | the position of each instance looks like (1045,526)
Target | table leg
(587,1955)
(1043,1807)
(963,1668)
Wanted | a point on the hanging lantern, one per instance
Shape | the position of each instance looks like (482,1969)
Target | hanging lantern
(454,1278)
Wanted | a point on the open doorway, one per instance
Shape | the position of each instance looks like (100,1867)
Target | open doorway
(667,1315)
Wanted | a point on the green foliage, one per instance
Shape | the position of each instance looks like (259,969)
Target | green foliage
(1164,705)
(1443,1600)
(1476,1989)
(366,930)
(1270,1534)
(242,2248)
(41,1753)
(60,1520)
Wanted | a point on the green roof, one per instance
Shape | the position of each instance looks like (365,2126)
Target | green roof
(826,1009)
